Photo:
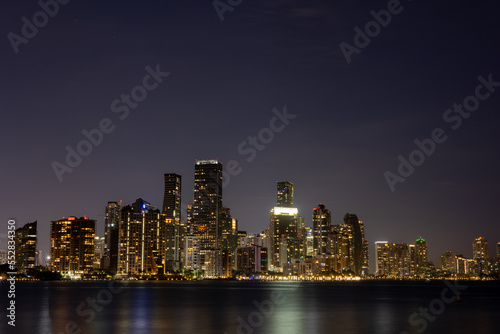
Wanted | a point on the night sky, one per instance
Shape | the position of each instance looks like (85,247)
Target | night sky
(348,122)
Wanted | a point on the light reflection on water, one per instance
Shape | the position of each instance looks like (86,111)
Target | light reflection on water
(229,307)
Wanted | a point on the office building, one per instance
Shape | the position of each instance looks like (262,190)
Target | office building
(111,223)
(322,222)
(284,194)
(172,211)
(207,205)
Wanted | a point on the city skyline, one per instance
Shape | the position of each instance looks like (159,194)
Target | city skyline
(270,88)
(284,200)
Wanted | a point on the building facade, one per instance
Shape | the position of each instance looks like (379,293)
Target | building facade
(26,246)
(322,224)
(72,245)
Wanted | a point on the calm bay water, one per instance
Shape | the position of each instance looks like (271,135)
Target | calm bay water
(251,307)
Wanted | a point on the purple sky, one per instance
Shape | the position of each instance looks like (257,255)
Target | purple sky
(352,120)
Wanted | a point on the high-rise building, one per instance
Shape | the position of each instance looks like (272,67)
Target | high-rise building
(172,196)
(420,257)
(498,250)
(26,238)
(111,223)
(393,260)
(448,262)
(285,194)
(480,249)
(207,205)
(287,228)
(286,241)
(309,242)
(98,251)
(142,240)
(251,260)
(72,245)
(229,231)
(3,256)
(172,211)
(357,250)
(191,259)
(322,223)
(380,257)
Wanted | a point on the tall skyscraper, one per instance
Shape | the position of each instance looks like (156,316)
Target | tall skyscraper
(420,257)
(72,245)
(172,210)
(111,222)
(229,231)
(380,257)
(26,238)
(322,223)
(480,249)
(172,196)
(207,205)
(498,250)
(285,194)
(287,230)
(358,240)
(142,240)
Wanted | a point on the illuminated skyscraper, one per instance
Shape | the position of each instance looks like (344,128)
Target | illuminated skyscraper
(284,194)
(142,240)
(172,211)
(72,245)
(480,249)
(111,222)
(191,259)
(286,227)
(448,262)
(229,231)
(357,246)
(393,260)
(322,223)
(26,238)
(420,257)
(207,205)
(172,196)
